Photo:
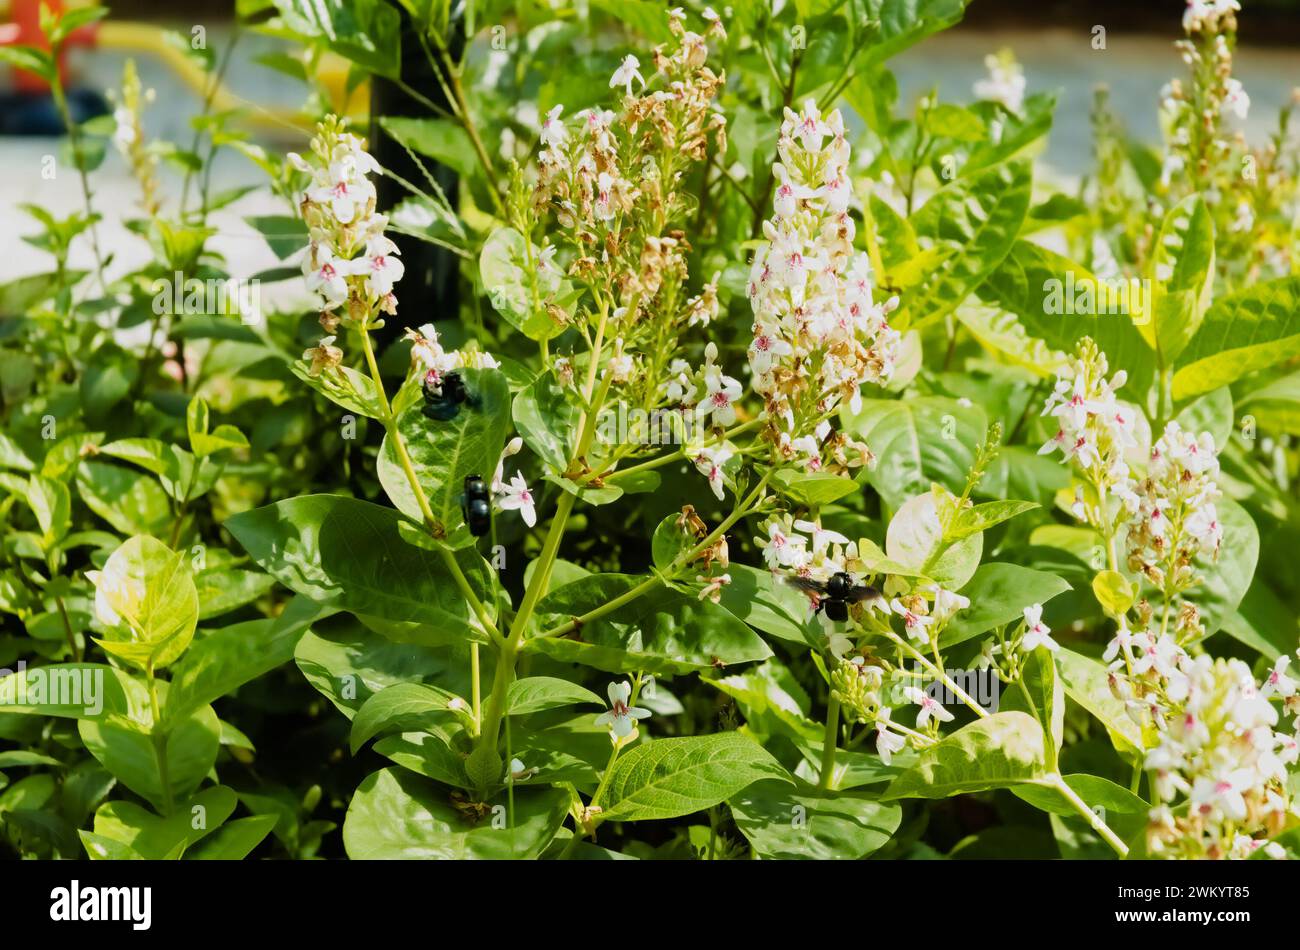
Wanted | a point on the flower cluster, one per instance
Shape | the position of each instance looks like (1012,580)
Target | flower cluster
(350,263)
(1221,754)
(1176,520)
(818,334)
(128,136)
(1005,83)
(1093,428)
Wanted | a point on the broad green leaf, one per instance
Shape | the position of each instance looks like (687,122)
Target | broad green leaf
(444,452)
(775,608)
(443,140)
(974,222)
(1114,592)
(153,837)
(349,554)
(535,693)
(1085,682)
(225,659)
(1226,580)
(368,32)
(1039,693)
(518,286)
(235,839)
(347,664)
(547,421)
(802,822)
(127,748)
(73,691)
(662,631)
(398,815)
(401,705)
(668,778)
(979,518)
(150,587)
(915,539)
(917,441)
(222,590)
(1058,301)
(130,501)
(998,751)
(998,594)
(344,387)
(813,488)
(1182,272)
(1241,333)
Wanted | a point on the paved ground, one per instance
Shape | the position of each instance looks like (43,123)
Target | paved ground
(1134,67)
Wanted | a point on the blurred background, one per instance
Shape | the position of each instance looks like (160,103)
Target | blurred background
(1055,41)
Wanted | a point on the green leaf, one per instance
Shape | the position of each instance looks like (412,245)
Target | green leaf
(777,609)
(1096,791)
(547,421)
(915,539)
(1241,333)
(803,822)
(1085,682)
(130,501)
(813,488)
(81,689)
(155,838)
(150,587)
(668,778)
(126,747)
(225,589)
(663,631)
(225,659)
(1039,692)
(368,32)
(535,693)
(1058,301)
(979,518)
(518,289)
(401,704)
(50,501)
(1225,581)
(917,441)
(1182,273)
(998,594)
(349,554)
(344,387)
(235,839)
(973,223)
(443,140)
(444,452)
(995,752)
(398,815)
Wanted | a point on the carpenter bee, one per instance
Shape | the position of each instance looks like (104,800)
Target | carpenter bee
(444,395)
(835,595)
(476,505)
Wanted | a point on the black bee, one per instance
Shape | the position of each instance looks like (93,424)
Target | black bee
(443,396)
(476,505)
(835,595)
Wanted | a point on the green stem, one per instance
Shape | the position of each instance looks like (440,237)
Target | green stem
(1089,815)
(159,736)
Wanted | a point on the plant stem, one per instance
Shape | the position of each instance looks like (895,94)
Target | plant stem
(1090,816)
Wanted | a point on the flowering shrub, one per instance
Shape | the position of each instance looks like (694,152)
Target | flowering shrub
(790,466)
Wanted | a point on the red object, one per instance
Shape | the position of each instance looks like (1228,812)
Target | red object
(25,30)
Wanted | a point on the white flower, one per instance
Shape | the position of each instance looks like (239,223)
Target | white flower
(627,71)
(915,624)
(1037,633)
(988,652)
(931,708)
(511,448)
(380,266)
(1005,83)
(709,461)
(1277,681)
(516,496)
(1235,99)
(946,602)
(620,717)
(328,276)
(553,131)
(886,742)
(721,393)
